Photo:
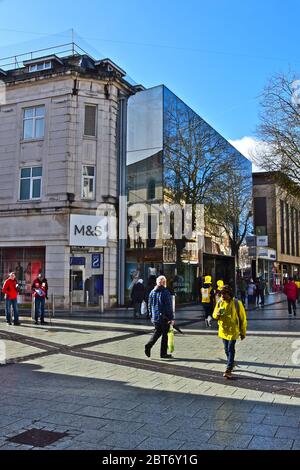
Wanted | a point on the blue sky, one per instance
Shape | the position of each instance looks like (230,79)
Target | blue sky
(215,55)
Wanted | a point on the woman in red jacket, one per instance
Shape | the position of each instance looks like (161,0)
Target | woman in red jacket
(10,289)
(291,291)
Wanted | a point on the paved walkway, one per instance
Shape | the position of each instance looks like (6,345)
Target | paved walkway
(89,378)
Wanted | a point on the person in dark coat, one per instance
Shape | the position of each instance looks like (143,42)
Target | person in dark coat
(162,316)
(137,297)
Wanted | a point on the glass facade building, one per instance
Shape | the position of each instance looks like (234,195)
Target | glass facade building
(172,157)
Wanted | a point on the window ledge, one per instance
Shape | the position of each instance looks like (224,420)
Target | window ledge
(25,141)
(90,137)
(29,200)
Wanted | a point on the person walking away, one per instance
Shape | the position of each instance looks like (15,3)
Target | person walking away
(261,291)
(232,321)
(137,297)
(251,293)
(298,285)
(207,299)
(220,285)
(10,291)
(242,289)
(291,291)
(39,294)
(162,316)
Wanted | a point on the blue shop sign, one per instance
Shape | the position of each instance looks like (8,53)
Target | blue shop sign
(77,261)
(96,260)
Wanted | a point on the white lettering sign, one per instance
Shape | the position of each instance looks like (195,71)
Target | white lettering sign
(88,230)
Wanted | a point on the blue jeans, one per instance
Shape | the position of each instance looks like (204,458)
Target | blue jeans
(39,307)
(229,347)
(8,304)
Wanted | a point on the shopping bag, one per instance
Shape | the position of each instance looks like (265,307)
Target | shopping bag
(144,308)
(171,339)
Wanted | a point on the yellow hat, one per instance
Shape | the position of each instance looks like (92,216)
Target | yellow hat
(220,283)
(207,280)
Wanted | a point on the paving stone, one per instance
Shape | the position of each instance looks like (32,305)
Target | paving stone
(279,420)
(187,423)
(220,425)
(126,405)
(155,443)
(92,436)
(246,417)
(94,411)
(128,441)
(296,445)
(196,435)
(192,445)
(230,440)
(257,429)
(289,433)
(120,426)
(267,443)
(274,409)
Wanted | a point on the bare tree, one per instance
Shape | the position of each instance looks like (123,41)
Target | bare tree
(230,209)
(279,130)
(202,167)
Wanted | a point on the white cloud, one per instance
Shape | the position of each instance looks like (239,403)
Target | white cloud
(249,147)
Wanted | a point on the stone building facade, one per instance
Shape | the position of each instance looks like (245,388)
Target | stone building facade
(62,131)
(277,217)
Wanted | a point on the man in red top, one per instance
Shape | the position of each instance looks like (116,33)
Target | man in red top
(10,289)
(291,291)
(39,291)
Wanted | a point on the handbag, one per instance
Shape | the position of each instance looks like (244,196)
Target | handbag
(144,308)
(171,339)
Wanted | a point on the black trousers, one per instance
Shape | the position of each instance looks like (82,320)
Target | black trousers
(161,330)
(292,303)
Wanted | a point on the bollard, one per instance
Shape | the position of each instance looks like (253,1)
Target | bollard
(32,308)
(71,301)
(53,305)
(87,299)
(101,303)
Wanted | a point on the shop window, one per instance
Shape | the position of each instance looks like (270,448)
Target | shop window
(88,182)
(30,183)
(34,123)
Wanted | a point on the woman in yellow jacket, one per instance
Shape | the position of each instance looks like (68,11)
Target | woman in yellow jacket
(232,320)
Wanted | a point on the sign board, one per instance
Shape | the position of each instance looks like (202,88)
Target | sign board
(262,240)
(252,251)
(96,260)
(88,230)
(266,253)
(77,261)
(251,240)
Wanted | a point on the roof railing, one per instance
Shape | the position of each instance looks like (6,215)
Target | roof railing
(16,61)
